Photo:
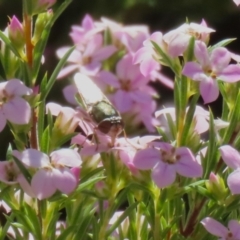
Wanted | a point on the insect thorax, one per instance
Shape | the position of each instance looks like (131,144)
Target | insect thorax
(108,119)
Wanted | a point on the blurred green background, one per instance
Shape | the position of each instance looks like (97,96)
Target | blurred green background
(161,15)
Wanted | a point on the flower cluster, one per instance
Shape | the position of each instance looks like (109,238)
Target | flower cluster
(116,163)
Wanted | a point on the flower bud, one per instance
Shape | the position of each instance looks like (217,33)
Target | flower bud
(16,33)
(41,22)
(39,6)
(216,186)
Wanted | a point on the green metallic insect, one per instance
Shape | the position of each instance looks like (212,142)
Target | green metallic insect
(98,107)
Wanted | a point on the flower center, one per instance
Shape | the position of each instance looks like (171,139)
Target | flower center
(125,85)
(169,157)
(86,60)
(193,33)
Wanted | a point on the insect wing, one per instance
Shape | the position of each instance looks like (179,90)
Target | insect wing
(88,90)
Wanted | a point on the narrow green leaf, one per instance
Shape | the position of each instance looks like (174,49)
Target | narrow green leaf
(121,218)
(41,45)
(23,170)
(55,73)
(222,43)
(189,119)
(9,44)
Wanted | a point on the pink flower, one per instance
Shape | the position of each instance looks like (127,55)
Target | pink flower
(82,34)
(232,158)
(52,174)
(13,107)
(87,60)
(148,60)
(178,39)
(129,84)
(237,2)
(166,161)
(200,118)
(210,68)
(217,229)
(66,120)
(131,36)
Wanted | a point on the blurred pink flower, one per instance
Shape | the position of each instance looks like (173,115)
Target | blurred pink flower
(87,60)
(148,60)
(130,86)
(200,119)
(177,40)
(66,120)
(217,229)
(53,173)
(82,34)
(232,158)
(166,161)
(237,2)
(131,36)
(210,68)
(13,107)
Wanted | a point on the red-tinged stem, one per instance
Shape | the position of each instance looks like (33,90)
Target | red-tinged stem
(192,220)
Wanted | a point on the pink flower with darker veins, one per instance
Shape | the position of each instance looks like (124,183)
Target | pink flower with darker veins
(166,161)
(148,60)
(13,107)
(210,68)
(53,173)
(88,60)
(232,232)
(129,84)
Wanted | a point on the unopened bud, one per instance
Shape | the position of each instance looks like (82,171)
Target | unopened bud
(16,33)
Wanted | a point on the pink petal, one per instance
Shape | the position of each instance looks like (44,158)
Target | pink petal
(42,184)
(209,90)
(17,88)
(74,57)
(17,110)
(148,65)
(234,227)
(104,53)
(109,78)
(146,159)
(163,174)
(26,187)
(201,53)
(32,158)
(178,45)
(87,22)
(231,73)
(230,156)
(220,58)
(93,45)
(122,101)
(214,227)
(237,2)
(187,165)
(64,180)
(69,92)
(67,157)
(193,70)
(66,70)
(233,182)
